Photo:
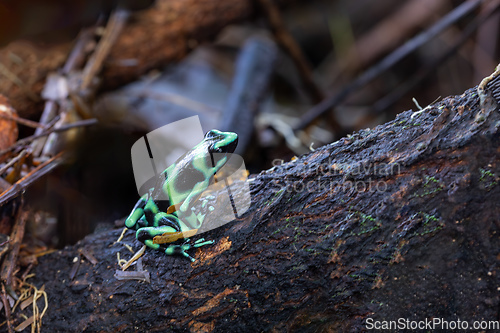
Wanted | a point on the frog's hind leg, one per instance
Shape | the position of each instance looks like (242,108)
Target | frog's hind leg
(147,234)
(181,249)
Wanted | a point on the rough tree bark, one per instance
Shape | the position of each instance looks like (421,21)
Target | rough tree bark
(400,221)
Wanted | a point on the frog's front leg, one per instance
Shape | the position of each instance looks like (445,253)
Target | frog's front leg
(136,219)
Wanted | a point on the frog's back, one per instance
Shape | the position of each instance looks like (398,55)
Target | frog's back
(194,171)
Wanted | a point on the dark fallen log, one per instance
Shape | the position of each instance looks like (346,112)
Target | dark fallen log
(399,221)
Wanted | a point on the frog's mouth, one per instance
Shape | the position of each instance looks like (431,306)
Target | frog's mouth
(227,148)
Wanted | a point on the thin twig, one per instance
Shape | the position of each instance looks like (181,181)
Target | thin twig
(27,180)
(401,52)
(396,94)
(16,238)
(12,162)
(115,25)
(26,140)
(6,307)
(76,57)
(22,121)
(288,43)
(49,113)
(80,123)
(16,80)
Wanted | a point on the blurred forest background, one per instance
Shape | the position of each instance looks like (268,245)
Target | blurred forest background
(287,76)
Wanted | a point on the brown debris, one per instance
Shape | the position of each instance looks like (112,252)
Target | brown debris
(8,127)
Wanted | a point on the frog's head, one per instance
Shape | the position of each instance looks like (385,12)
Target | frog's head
(221,142)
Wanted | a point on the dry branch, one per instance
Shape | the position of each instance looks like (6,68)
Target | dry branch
(390,60)
(288,43)
(390,33)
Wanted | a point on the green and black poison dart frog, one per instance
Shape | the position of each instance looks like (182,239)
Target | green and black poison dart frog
(157,222)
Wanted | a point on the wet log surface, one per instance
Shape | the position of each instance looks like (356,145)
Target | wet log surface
(400,221)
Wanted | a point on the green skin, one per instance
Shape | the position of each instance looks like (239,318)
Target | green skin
(187,179)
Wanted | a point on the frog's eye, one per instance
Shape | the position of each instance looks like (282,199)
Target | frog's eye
(212,134)
(215,150)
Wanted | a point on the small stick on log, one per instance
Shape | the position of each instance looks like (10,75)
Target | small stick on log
(483,57)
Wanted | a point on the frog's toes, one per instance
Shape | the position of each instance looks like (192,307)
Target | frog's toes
(185,254)
(179,249)
(201,242)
